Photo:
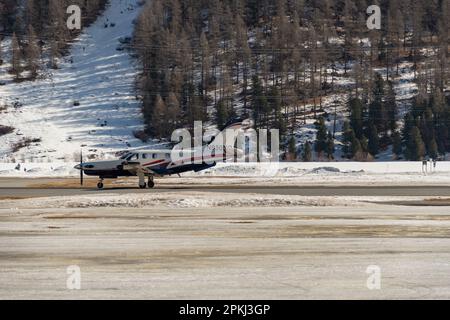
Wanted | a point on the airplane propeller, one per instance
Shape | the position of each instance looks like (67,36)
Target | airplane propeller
(81,169)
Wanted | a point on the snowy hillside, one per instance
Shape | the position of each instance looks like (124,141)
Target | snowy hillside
(89,101)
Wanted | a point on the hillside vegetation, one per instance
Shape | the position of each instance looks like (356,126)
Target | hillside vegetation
(296,64)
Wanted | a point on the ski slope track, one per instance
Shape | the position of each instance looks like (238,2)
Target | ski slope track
(97,76)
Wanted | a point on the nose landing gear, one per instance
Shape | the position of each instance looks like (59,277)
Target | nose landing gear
(143,186)
(100,184)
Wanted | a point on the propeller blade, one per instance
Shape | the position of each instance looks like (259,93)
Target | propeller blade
(81,169)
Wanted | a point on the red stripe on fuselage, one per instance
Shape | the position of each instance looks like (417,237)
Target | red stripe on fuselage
(153,163)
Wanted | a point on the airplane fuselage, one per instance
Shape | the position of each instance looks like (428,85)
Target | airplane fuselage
(146,164)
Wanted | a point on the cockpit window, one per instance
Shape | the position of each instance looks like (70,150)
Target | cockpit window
(129,156)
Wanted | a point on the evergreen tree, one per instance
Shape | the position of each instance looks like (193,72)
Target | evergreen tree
(357,150)
(292,148)
(415,147)
(330,147)
(158,117)
(307,152)
(223,113)
(32,52)
(433,149)
(377,112)
(173,114)
(259,103)
(397,144)
(374,141)
(364,144)
(321,139)
(391,108)
(356,116)
(348,134)
(16,57)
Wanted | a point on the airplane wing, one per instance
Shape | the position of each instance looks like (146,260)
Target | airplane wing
(137,167)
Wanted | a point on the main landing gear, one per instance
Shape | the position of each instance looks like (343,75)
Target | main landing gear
(150,184)
(142,183)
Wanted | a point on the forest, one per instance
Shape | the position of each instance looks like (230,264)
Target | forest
(295,65)
(278,62)
(38,28)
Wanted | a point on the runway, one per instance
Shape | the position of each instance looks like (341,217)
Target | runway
(36,188)
(174,244)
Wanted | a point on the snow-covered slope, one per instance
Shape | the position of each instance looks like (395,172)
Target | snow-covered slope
(96,75)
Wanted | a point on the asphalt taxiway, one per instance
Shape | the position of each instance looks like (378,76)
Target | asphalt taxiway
(34,188)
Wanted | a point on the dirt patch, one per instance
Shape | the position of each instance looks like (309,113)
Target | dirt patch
(12,198)
(438,202)
(75,184)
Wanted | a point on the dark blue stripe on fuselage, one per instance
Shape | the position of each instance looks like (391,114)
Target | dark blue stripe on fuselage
(161,170)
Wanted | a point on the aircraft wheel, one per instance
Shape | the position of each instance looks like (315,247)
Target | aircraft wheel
(143,186)
(100,185)
(151,184)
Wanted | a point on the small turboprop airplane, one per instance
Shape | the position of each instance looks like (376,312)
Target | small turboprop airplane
(150,164)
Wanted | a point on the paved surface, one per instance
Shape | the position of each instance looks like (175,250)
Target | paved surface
(162,252)
(222,253)
(20,188)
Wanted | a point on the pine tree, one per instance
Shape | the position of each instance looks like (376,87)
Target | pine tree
(307,152)
(158,116)
(377,114)
(330,147)
(374,141)
(391,108)
(259,103)
(173,114)
(321,139)
(433,149)
(222,114)
(32,53)
(349,135)
(292,148)
(356,116)
(397,147)
(364,144)
(16,57)
(54,55)
(415,147)
(357,150)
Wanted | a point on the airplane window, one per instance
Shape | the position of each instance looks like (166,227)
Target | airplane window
(144,156)
(132,157)
(168,156)
(155,156)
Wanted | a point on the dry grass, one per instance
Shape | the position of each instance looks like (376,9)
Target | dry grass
(24,143)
